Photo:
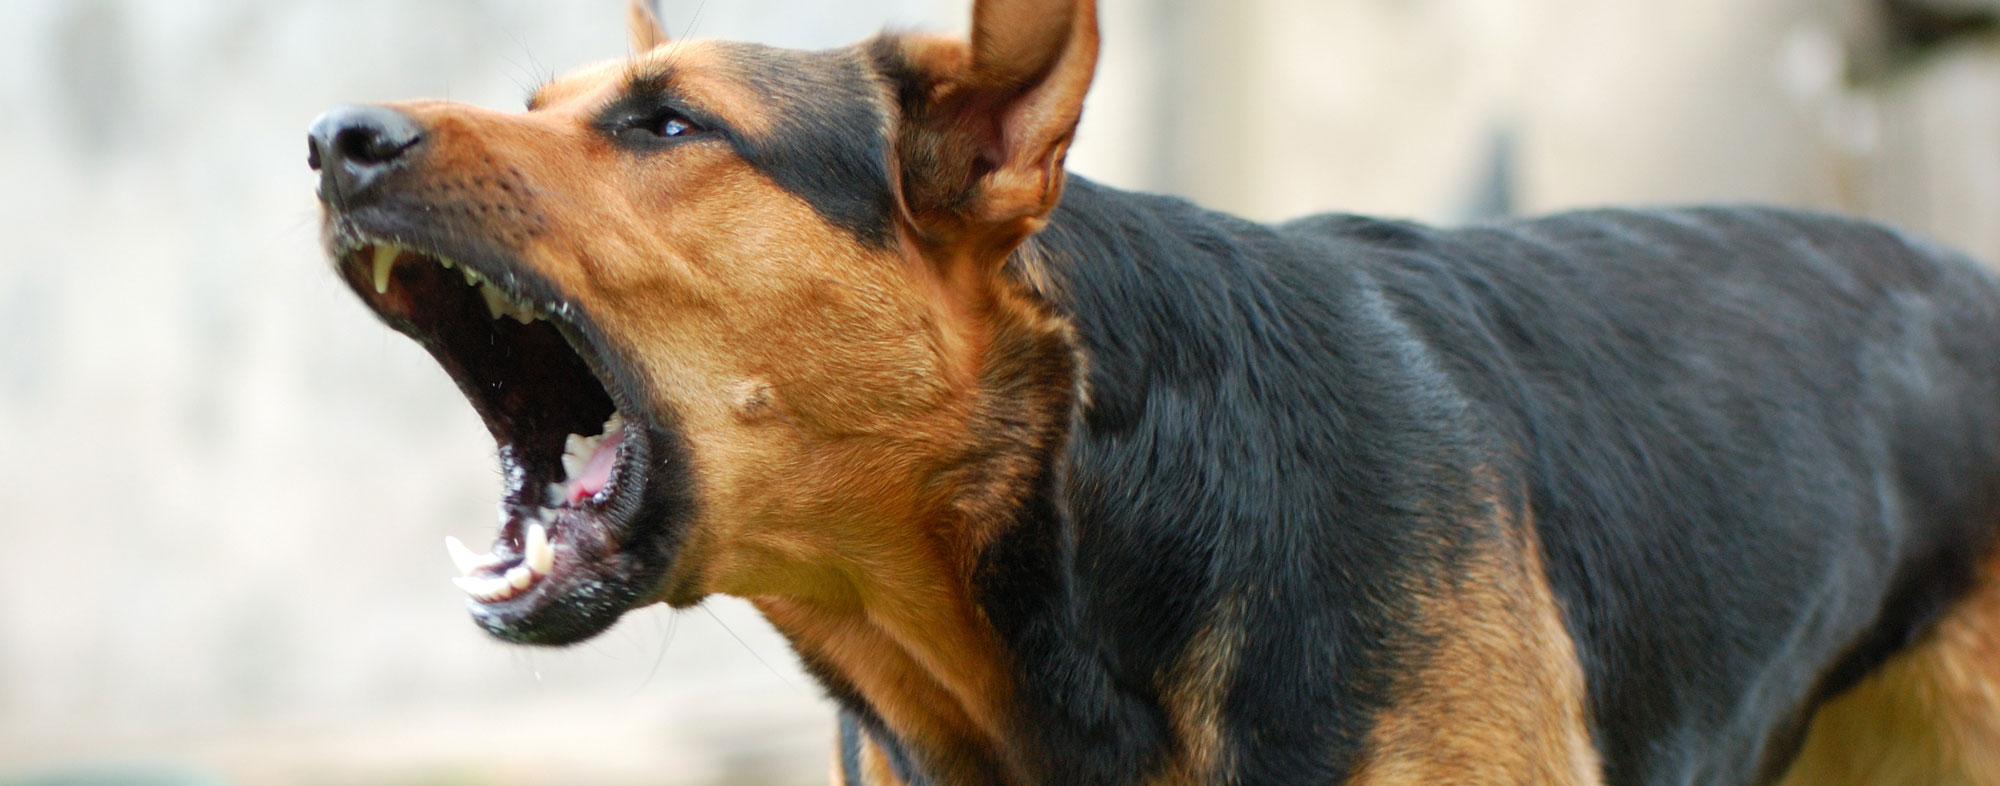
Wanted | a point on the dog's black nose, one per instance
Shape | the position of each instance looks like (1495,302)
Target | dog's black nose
(353,147)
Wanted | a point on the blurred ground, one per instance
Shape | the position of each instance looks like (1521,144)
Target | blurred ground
(227,485)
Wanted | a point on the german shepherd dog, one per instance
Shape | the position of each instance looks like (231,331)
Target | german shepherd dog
(1051,483)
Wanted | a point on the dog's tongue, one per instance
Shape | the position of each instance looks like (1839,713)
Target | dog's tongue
(597,471)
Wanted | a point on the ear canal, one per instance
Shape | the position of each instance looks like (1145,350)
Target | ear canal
(644,26)
(987,121)
(1039,56)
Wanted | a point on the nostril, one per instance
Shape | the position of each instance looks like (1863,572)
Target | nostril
(364,136)
(355,147)
(371,145)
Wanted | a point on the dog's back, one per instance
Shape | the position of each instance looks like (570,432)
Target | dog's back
(1763,451)
(1760,447)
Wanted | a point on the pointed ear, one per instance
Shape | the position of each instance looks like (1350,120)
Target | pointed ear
(986,122)
(644,25)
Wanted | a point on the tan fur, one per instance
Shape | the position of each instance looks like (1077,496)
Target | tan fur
(1929,717)
(840,407)
(926,675)
(1500,700)
(1194,702)
(875,767)
(646,31)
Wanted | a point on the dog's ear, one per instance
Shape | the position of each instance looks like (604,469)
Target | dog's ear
(645,27)
(985,123)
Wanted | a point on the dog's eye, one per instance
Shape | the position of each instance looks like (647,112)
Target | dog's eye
(670,125)
(655,127)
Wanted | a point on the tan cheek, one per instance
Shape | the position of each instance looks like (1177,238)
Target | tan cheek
(753,401)
(772,339)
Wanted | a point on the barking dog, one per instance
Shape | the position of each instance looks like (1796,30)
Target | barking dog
(1052,483)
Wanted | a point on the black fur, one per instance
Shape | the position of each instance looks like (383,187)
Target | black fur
(1759,447)
(1762,448)
(826,144)
(829,145)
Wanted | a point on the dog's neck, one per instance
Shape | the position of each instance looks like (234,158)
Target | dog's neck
(977,660)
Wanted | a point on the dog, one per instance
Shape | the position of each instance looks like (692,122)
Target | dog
(1051,483)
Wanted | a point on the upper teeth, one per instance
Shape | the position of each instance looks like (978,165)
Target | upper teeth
(498,302)
(577,449)
(480,574)
(385,259)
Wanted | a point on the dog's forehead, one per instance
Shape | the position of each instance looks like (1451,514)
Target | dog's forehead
(744,83)
(815,122)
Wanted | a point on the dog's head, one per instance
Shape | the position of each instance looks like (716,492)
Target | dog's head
(732,313)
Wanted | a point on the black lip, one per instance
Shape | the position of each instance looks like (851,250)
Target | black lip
(634,535)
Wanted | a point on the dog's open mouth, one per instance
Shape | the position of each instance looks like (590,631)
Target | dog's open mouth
(573,444)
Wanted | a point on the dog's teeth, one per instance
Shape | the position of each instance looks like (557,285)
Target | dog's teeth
(490,588)
(555,495)
(446,262)
(496,303)
(539,556)
(519,577)
(385,259)
(577,450)
(523,313)
(464,558)
(614,425)
(471,276)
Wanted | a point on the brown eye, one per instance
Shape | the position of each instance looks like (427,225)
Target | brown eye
(661,125)
(670,124)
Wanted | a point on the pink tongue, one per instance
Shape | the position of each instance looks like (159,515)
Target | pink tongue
(597,471)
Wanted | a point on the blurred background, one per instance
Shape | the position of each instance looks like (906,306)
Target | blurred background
(226,484)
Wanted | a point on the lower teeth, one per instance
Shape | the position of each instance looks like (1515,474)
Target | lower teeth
(538,558)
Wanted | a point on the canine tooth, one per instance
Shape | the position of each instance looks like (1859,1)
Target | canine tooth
(539,555)
(464,558)
(385,258)
(555,495)
(519,577)
(489,588)
(573,464)
(471,276)
(496,303)
(446,262)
